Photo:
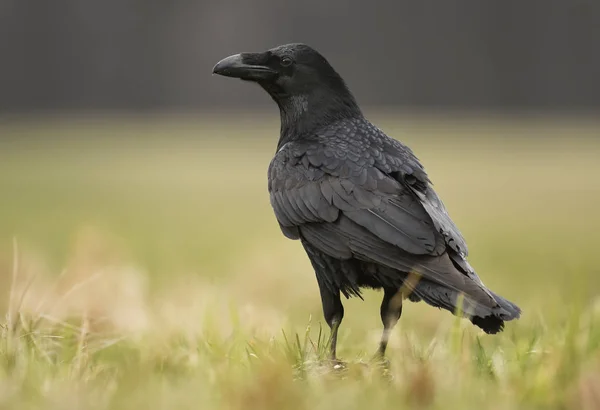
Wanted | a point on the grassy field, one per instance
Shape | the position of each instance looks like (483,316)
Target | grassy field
(141,267)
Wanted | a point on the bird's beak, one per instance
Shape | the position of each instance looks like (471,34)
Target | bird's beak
(245,66)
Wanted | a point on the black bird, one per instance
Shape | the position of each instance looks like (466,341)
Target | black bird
(359,201)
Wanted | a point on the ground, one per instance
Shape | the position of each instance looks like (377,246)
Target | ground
(142,268)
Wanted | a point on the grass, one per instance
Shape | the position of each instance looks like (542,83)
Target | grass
(142,268)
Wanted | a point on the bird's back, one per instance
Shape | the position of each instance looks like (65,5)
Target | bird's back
(352,193)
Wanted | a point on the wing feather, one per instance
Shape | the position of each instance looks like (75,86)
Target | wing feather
(367,206)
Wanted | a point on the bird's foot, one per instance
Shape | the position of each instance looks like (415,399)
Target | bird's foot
(380,363)
(337,364)
(379,359)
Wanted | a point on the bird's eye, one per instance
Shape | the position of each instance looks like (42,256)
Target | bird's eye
(286,61)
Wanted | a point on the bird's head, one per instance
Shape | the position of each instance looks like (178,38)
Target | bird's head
(297,77)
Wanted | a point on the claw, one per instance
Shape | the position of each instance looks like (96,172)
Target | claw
(338,364)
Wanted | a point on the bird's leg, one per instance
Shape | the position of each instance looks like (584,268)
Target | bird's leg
(335,325)
(391,309)
(333,310)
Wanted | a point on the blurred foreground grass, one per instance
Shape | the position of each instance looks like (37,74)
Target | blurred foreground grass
(142,268)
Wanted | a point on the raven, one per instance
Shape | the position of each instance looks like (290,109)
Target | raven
(359,201)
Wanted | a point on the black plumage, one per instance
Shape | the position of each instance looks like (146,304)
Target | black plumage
(359,201)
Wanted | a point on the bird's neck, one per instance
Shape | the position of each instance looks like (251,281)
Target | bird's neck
(302,115)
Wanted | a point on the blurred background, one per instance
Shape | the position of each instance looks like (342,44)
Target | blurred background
(118,148)
(139,55)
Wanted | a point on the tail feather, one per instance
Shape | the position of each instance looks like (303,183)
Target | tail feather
(490,324)
(490,319)
(510,310)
